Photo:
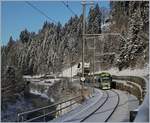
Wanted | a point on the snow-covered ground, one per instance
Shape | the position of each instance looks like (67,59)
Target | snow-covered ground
(44,95)
(67,72)
(47,82)
(38,93)
(105,27)
(35,76)
(128,72)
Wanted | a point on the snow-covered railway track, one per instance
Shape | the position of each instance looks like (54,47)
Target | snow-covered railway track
(106,98)
(105,110)
(118,100)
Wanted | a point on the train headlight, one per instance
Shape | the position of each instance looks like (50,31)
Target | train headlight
(82,79)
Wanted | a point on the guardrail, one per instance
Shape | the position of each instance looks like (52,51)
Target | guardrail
(135,79)
(138,85)
(21,116)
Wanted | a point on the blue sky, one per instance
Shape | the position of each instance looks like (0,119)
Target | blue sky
(18,15)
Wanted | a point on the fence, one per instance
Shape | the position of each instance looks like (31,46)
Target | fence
(22,116)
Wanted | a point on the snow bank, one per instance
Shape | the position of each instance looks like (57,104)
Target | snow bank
(67,72)
(39,93)
(44,95)
(35,76)
(105,27)
(47,82)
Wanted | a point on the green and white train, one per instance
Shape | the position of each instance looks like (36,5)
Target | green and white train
(105,80)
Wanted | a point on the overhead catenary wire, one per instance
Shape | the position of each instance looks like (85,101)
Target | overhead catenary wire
(69,8)
(40,11)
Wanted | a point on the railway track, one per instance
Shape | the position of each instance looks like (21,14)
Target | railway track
(114,107)
(103,108)
(97,108)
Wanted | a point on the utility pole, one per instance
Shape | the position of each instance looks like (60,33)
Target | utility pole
(83,41)
(93,65)
(70,60)
(71,67)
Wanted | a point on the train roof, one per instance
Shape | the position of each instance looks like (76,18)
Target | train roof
(105,74)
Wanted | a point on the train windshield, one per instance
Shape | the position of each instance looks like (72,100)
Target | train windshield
(105,78)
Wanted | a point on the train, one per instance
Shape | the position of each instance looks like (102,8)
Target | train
(105,80)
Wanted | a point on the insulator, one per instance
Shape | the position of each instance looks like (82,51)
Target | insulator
(92,4)
(83,2)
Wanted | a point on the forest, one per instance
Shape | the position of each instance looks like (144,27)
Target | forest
(49,50)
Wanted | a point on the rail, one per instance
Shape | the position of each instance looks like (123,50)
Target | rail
(114,107)
(96,109)
(102,105)
(21,116)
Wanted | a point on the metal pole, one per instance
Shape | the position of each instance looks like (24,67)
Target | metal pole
(71,73)
(71,68)
(22,119)
(90,84)
(70,57)
(44,115)
(93,65)
(60,112)
(18,118)
(83,41)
